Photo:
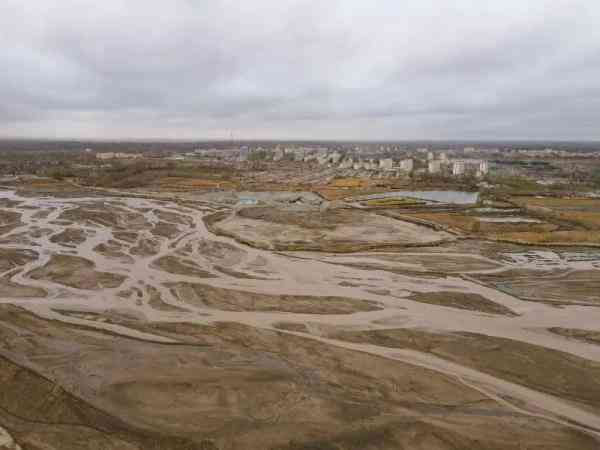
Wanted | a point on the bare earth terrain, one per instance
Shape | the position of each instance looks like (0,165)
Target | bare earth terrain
(139,322)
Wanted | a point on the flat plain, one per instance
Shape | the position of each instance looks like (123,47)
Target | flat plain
(138,320)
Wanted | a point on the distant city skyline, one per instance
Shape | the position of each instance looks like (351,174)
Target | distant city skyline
(300,70)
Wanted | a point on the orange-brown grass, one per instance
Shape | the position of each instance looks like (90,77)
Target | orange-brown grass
(558,203)
(584,212)
(333,193)
(393,202)
(274,187)
(349,183)
(588,219)
(470,224)
(43,181)
(454,221)
(195,183)
(46,183)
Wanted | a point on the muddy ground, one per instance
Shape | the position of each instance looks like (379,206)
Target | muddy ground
(534,366)
(340,229)
(76,272)
(127,323)
(460,300)
(253,389)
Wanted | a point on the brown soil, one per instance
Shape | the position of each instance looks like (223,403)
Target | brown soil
(65,422)
(43,213)
(10,289)
(91,216)
(539,368)
(155,301)
(111,216)
(435,264)
(76,272)
(232,300)
(461,300)
(220,252)
(12,258)
(70,237)
(236,274)
(173,217)
(441,262)
(333,230)
(464,223)
(127,236)
(305,219)
(254,389)
(560,287)
(145,247)
(588,336)
(9,220)
(166,230)
(181,266)
(8,203)
(567,238)
(113,249)
(291,326)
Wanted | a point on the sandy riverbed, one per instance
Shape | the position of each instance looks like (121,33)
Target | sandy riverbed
(114,266)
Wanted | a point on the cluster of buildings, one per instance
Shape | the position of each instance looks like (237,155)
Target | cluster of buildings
(245,153)
(393,163)
(459,167)
(103,156)
(306,154)
(432,164)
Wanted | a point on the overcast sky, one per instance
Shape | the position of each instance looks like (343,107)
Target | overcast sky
(327,69)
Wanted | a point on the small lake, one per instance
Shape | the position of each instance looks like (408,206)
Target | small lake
(456,197)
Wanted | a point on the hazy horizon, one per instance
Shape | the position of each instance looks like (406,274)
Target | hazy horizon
(299,140)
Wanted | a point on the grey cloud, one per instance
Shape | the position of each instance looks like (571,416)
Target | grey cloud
(300,69)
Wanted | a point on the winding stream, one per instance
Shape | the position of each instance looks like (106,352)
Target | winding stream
(308,274)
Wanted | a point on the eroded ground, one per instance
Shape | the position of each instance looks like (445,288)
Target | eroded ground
(125,323)
(330,229)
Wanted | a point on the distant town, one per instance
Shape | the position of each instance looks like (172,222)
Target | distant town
(313,166)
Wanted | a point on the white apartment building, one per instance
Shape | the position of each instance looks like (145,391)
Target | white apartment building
(105,155)
(386,164)
(407,165)
(484,167)
(434,167)
(346,163)
(458,168)
(335,157)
